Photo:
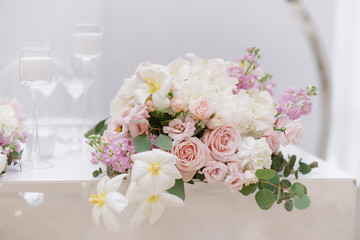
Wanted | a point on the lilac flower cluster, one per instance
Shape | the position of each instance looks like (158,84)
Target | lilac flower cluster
(296,103)
(11,146)
(116,153)
(248,72)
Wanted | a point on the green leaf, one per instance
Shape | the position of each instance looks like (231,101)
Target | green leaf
(275,181)
(314,165)
(298,189)
(265,198)
(296,174)
(289,205)
(178,189)
(95,173)
(163,142)
(292,161)
(278,196)
(277,161)
(304,168)
(286,195)
(100,171)
(98,129)
(247,190)
(302,202)
(287,170)
(142,143)
(265,173)
(285,183)
(199,176)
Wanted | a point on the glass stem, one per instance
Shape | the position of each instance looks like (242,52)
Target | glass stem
(35,154)
(84,97)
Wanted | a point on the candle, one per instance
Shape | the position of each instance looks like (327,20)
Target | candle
(87,44)
(35,70)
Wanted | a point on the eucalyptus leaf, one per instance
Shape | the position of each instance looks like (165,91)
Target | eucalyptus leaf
(163,142)
(98,129)
(304,168)
(95,173)
(287,170)
(292,161)
(247,190)
(142,143)
(265,198)
(298,189)
(289,205)
(285,183)
(302,202)
(265,173)
(178,189)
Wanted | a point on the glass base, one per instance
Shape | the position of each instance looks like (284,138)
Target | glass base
(37,164)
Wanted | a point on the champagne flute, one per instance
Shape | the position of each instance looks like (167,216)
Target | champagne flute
(87,45)
(35,68)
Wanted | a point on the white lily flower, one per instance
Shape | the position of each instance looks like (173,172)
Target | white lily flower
(154,80)
(108,202)
(154,205)
(154,171)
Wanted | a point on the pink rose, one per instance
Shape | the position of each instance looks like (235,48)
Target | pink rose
(294,130)
(235,164)
(201,108)
(273,140)
(192,155)
(215,122)
(235,182)
(214,171)
(222,142)
(179,131)
(177,104)
(150,105)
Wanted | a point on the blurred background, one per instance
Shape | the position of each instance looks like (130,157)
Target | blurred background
(162,30)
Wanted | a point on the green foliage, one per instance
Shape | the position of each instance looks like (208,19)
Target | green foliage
(247,190)
(265,198)
(98,129)
(158,119)
(95,173)
(302,202)
(265,173)
(289,205)
(163,142)
(142,143)
(178,189)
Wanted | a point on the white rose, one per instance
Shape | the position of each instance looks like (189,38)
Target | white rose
(124,97)
(8,120)
(255,152)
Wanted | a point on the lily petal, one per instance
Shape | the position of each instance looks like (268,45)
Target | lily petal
(110,220)
(141,94)
(141,212)
(160,101)
(101,185)
(157,209)
(171,200)
(116,202)
(113,184)
(95,214)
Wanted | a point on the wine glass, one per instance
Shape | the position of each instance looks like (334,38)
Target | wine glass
(87,45)
(35,68)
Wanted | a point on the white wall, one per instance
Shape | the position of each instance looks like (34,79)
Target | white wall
(160,31)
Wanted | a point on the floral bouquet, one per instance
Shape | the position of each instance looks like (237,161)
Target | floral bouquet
(196,120)
(11,133)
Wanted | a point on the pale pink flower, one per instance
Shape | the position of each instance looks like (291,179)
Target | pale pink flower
(222,142)
(235,164)
(294,130)
(235,182)
(214,171)
(201,108)
(281,123)
(133,120)
(137,121)
(192,155)
(150,105)
(178,130)
(250,177)
(177,104)
(273,140)
(215,122)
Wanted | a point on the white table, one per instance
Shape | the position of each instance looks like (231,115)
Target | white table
(210,212)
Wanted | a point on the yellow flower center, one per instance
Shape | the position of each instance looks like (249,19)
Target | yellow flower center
(119,129)
(154,168)
(153,199)
(152,84)
(98,199)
